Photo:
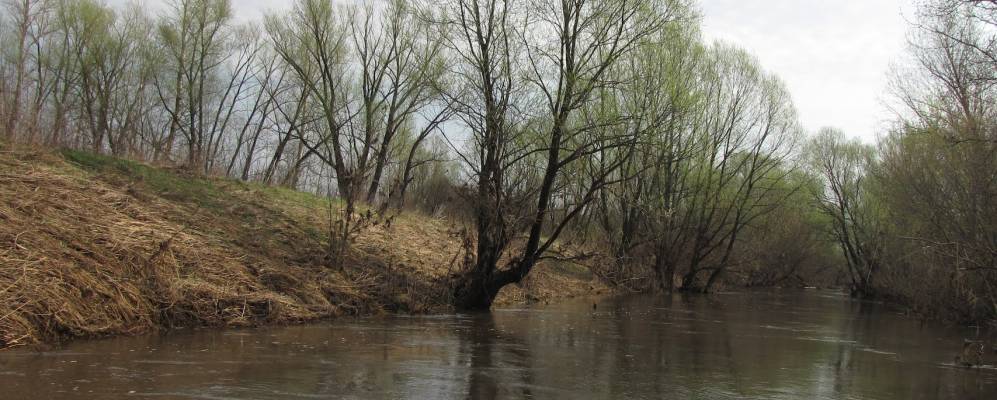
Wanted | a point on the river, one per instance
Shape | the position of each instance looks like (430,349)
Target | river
(782,345)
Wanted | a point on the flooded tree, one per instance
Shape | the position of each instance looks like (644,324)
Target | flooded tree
(937,175)
(719,137)
(528,69)
(843,167)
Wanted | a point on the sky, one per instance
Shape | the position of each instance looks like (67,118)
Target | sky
(833,55)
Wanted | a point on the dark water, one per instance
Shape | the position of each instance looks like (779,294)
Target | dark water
(791,345)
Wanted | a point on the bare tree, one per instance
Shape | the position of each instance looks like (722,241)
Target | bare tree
(268,78)
(23,17)
(105,47)
(314,45)
(194,35)
(412,61)
(543,60)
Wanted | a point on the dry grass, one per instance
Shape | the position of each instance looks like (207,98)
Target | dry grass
(79,257)
(99,246)
(550,281)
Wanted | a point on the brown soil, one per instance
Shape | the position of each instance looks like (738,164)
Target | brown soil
(94,246)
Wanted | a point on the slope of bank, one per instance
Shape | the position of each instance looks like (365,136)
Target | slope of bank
(93,246)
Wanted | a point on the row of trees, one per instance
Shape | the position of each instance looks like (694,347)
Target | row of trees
(611,121)
(915,216)
(319,91)
(606,125)
(608,122)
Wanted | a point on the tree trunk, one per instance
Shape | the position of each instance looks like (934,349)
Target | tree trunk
(382,159)
(664,271)
(476,293)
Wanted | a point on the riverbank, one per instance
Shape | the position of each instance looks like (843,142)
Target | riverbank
(95,246)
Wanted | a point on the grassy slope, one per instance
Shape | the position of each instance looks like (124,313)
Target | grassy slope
(95,246)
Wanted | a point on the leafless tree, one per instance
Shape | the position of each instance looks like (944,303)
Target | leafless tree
(529,68)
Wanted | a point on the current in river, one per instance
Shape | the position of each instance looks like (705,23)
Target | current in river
(781,345)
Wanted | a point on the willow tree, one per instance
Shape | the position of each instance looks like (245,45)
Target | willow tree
(194,36)
(720,172)
(635,215)
(527,69)
(106,46)
(938,172)
(843,167)
(21,15)
(401,78)
(313,42)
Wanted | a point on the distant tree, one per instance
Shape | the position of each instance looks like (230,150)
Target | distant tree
(23,16)
(106,51)
(843,166)
(194,35)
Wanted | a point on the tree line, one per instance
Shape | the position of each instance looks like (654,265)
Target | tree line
(915,216)
(610,128)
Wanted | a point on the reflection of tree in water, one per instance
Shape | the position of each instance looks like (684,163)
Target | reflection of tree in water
(853,330)
(640,345)
(782,345)
(876,354)
(500,362)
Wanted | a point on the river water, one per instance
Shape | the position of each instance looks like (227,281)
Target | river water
(783,345)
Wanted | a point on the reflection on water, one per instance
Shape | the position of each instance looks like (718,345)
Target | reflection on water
(792,345)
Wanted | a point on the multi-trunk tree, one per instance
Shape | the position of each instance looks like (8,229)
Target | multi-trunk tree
(526,71)
(843,166)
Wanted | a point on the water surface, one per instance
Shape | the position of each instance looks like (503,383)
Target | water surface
(786,345)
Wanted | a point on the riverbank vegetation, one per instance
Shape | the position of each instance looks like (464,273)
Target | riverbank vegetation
(96,246)
(509,133)
(916,215)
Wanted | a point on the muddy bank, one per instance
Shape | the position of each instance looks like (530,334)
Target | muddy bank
(95,246)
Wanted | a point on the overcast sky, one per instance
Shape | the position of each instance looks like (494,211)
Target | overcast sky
(834,56)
